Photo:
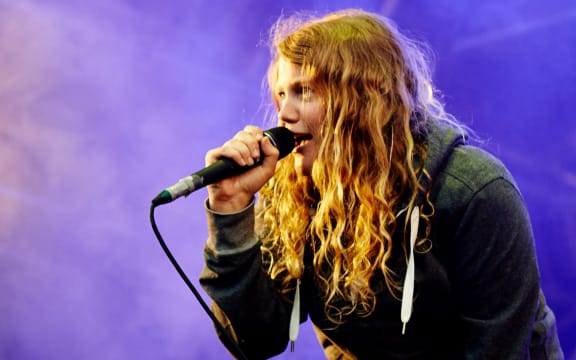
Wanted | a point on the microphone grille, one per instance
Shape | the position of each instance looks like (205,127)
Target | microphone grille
(282,138)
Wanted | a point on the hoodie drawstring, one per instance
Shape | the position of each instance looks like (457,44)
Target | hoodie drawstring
(295,317)
(408,290)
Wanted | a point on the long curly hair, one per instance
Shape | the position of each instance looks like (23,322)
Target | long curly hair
(376,89)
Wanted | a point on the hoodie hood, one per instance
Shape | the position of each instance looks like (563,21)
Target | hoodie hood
(442,138)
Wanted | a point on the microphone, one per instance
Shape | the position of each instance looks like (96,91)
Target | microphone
(281,138)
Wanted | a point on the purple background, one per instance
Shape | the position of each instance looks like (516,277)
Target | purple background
(105,103)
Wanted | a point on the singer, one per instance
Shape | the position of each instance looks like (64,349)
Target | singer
(387,226)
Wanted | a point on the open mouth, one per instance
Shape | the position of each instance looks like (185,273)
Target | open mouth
(301,139)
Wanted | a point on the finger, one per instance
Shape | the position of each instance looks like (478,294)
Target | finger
(254,130)
(239,151)
(212,156)
(244,147)
(232,149)
(251,140)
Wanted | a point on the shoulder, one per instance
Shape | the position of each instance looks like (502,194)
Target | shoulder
(475,167)
(471,173)
(472,168)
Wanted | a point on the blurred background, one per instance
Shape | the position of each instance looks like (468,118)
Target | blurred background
(103,104)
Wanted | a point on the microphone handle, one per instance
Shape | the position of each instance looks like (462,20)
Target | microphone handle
(220,170)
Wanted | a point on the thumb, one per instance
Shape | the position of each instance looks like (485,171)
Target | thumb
(269,151)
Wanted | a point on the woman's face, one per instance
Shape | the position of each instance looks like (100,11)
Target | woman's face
(300,110)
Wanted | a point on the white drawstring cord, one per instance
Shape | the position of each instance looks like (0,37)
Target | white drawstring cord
(295,317)
(408,291)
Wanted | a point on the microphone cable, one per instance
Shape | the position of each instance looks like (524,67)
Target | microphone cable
(182,274)
(283,139)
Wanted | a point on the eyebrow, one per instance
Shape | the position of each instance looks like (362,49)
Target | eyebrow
(294,84)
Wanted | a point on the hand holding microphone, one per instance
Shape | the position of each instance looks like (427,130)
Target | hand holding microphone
(249,149)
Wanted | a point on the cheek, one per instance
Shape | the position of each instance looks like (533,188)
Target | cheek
(315,116)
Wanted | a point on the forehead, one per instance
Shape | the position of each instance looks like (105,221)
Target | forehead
(288,73)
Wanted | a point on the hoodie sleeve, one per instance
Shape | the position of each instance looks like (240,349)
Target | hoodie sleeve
(244,299)
(499,286)
(492,264)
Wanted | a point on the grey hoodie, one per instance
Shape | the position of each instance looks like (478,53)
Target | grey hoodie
(476,294)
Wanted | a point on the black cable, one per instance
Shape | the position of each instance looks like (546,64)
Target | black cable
(191,286)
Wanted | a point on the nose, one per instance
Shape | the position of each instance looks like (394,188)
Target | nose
(288,111)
